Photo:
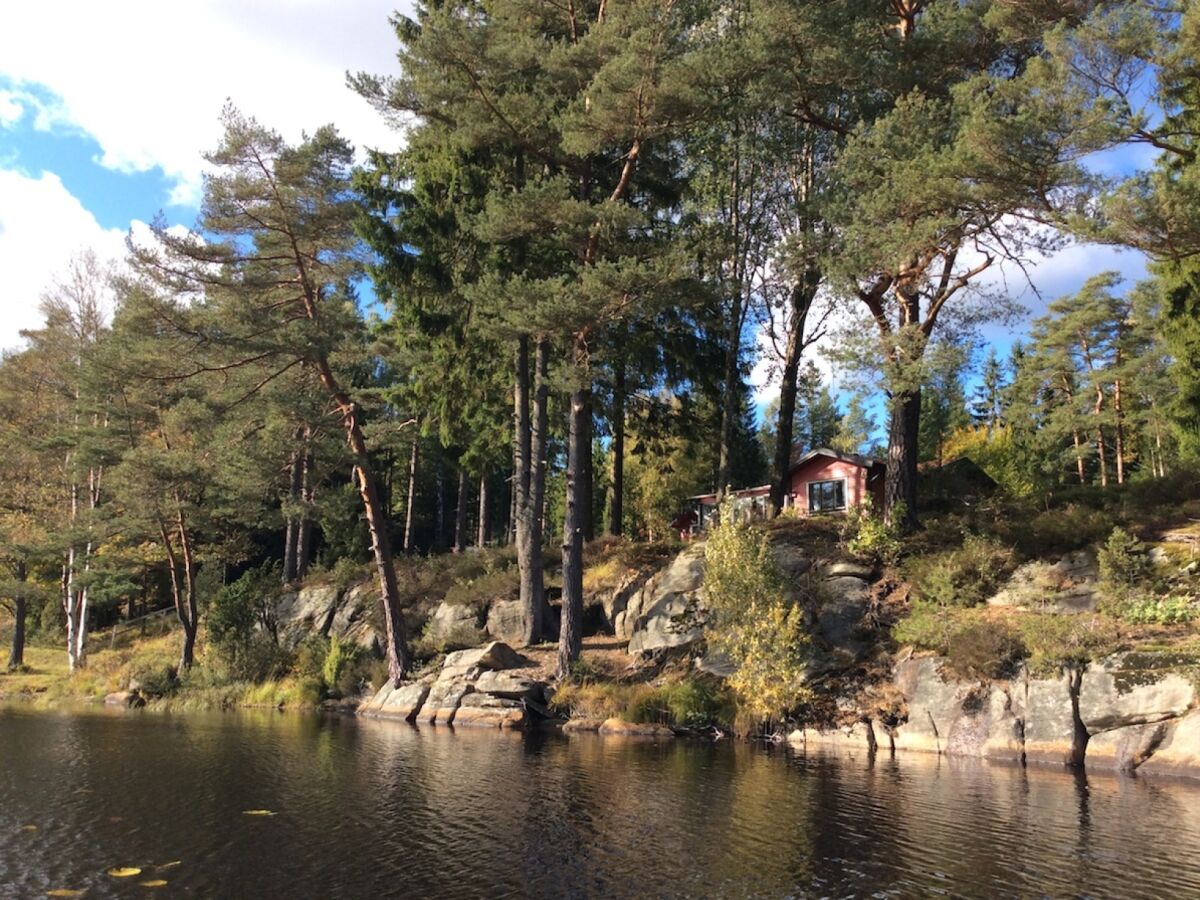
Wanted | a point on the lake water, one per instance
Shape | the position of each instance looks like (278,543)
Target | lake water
(380,809)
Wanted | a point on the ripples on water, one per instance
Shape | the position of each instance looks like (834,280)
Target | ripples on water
(373,809)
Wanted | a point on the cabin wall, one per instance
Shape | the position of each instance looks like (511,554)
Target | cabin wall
(823,468)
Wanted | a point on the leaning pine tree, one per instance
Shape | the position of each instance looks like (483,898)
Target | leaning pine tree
(274,248)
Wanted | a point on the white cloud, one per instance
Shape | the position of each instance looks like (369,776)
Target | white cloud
(42,225)
(148,79)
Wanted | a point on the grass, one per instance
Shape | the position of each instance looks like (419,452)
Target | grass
(680,702)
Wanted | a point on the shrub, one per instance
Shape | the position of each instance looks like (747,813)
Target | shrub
(241,607)
(1056,641)
(985,650)
(928,627)
(1061,530)
(688,703)
(867,536)
(1124,562)
(754,622)
(1149,610)
(966,576)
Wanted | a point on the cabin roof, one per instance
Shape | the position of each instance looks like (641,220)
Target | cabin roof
(854,459)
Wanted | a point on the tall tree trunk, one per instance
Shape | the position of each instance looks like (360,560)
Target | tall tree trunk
(1075,439)
(802,296)
(410,500)
(523,519)
(16,656)
(187,656)
(439,506)
(587,474)
(484,532)
(731,384)
(1102,455)
(570,640)
(539,442)
(900,479)
(295,491)
(460,513)
(304,533)
(616,506)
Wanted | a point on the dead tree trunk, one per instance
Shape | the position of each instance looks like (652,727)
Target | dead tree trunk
(410,499)
(381,545)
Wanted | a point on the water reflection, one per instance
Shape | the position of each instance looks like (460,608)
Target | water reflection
(378,808)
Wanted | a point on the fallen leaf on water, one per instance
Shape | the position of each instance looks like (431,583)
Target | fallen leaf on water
(29,828)
(64,892)
(153,882)
(170,865)
(258,812)
(126,872)
(116,819)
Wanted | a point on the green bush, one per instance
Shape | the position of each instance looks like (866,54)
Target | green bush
(754,621)
(240,623)
(1149,610)
(868,537)
(963,577)
(1055,641)
(985,650)
(1124,562)
(928,626)
(1060,530)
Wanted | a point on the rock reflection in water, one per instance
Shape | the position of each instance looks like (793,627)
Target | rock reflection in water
(377,808)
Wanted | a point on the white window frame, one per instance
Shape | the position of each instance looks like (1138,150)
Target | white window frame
(845,494)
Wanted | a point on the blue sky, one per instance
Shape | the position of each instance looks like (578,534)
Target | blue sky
(103,123)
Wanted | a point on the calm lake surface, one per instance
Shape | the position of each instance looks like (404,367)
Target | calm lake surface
(373,809)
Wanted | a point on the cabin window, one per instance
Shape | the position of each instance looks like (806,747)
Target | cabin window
(824,496)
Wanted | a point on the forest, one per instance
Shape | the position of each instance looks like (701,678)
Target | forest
(544,319)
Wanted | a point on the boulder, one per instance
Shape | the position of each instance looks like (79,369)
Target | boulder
(842,610)
(508,685)
(933,705)
(1124,748)
(857,737)
(1067,586)
(126,699)
(352,615)
(1178,751)
(671,606)
(304,612)
(623,603)
(792,561)
(443,701)
(451,620)
(845,568)
(635,729)
(404,702)
(495,655)
(506,621)
(1052,734)
(990,725)
(1131,689)
(582,725)
(487,711)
